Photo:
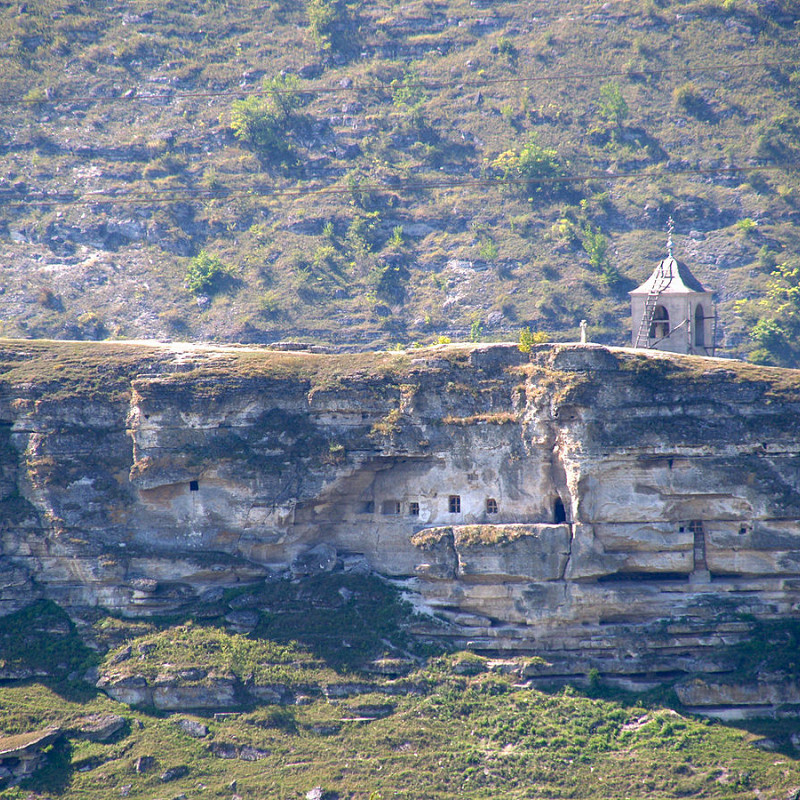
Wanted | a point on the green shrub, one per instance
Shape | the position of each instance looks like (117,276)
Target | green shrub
(596,246)
(396,239)
(205,273)
(779,138)
(407,93)
(527,339)
(488,250)
(325,257)
(388,281)
(322,15)
(532,167)
(269,304)
(507,48)
(43,637)
(746,226)
(612,108)
(687,97)
(264,122)
(362,234)
(468,663)
(35,96)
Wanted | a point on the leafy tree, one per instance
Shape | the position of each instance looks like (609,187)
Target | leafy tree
(388,281)
(476,331)
(396,239)
(527,339)
(596,246)
(613,109)
(362,233)
(331,24)
(263,122)
(532,166)
(321,18)
(408,93)
(776,335)
(205,273)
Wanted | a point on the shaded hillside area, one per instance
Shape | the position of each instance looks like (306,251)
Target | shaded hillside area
(366,174)
(239,711)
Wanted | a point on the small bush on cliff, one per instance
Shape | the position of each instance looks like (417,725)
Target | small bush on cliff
(264,122)
(206,273)
(612,108)
(528,338)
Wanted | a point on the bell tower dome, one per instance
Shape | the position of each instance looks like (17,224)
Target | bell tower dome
(672,311)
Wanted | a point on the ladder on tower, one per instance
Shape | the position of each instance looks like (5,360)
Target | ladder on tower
(663,279)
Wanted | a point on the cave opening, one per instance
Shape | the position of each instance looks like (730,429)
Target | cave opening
(559,512)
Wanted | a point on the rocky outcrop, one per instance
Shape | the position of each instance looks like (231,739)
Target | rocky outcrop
(24,753)
(604,508)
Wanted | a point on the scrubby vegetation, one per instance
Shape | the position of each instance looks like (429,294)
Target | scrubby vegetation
(379,173)
(454,725)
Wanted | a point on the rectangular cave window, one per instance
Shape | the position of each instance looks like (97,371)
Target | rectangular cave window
(413,509)
(194,486)
(391,507)
(696,526)
(369,507)
(455,504)
(491,505)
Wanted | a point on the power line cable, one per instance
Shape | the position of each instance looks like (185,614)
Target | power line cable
(136,94)
(268,192)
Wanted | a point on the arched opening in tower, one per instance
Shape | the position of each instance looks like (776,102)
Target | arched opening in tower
(699,326)
(659,327)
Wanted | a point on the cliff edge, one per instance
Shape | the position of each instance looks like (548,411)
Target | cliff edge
(603,508)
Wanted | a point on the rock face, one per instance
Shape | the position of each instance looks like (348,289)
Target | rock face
(21,755)
(603,508)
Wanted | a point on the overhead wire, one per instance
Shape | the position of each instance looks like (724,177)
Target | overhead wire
(133,93)
(267,192)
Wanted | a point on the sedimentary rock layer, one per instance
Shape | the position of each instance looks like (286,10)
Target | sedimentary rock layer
(602,507)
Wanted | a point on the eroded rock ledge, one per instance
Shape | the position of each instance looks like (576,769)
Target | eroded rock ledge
(600,507)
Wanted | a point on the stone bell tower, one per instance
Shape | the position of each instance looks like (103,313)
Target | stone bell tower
(672,311)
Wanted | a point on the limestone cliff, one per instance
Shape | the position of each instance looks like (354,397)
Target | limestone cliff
(602,508)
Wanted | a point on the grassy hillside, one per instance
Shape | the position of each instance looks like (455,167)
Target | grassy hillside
(374,173)
(353,727)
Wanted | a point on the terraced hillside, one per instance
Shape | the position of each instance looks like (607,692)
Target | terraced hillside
(366,174)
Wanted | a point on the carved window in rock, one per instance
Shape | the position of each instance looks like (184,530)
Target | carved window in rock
(391,507)
(491,505)
(413,509)
(659,327)
(699,326)
(696,526)
(454,504)
(194,486)
(559,512)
